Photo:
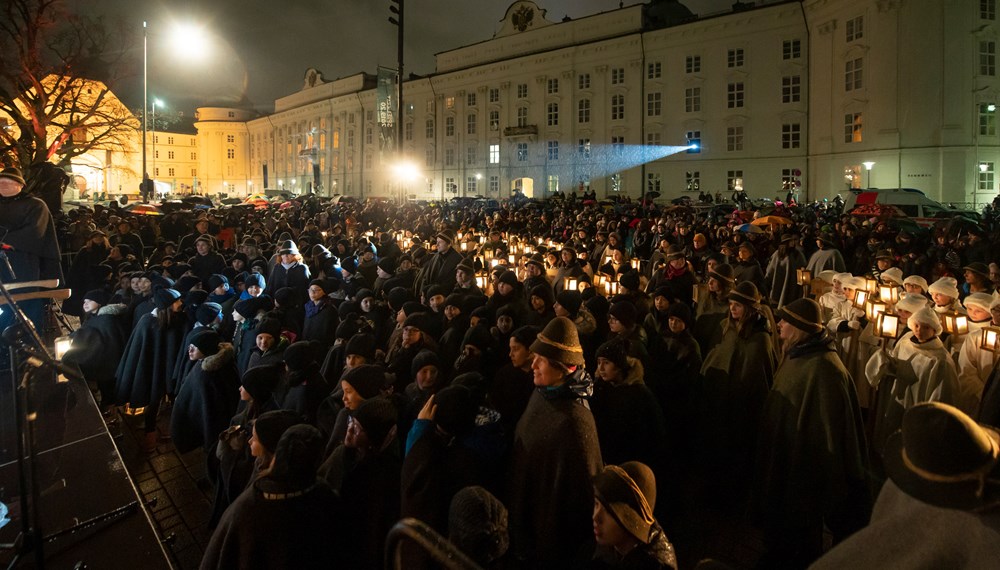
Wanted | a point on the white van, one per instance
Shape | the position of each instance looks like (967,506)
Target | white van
(911,202)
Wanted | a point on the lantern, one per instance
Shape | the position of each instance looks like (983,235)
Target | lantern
(990,339)
(803,276)
(636,263)
(62,346)
(889,294)
(570,283)
(599,279)
(955,323)
(480,281)
(887,325)
(860,298)
(512,259)
(873,309)
(465,246)
(871,285)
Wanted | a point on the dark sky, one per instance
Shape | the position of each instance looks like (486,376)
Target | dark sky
(273,42)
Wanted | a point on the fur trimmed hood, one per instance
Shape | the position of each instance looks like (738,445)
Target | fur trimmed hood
(115,309)
(218,360)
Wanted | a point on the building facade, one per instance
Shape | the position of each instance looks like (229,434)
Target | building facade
(651,98)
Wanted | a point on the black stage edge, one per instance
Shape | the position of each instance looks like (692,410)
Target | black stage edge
(82,481)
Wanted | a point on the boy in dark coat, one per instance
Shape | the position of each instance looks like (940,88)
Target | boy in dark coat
(207,400)
(99,343)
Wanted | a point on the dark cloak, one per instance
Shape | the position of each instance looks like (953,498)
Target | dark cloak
(206,401)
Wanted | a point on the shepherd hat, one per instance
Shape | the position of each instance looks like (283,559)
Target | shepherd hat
(803,314)
(893,274)
(916,280)
(628,493)
(925,316)
(559,342)
(943,458)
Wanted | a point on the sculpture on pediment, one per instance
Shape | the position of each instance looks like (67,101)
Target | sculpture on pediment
(313,78)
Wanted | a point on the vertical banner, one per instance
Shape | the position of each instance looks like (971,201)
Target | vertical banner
(385,101)
(265,176)
(316,185)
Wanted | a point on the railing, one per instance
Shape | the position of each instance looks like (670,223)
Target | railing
(437,546)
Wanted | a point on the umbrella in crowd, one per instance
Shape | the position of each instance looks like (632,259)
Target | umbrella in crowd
(771,221)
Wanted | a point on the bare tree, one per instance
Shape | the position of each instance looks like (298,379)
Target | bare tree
(55,72)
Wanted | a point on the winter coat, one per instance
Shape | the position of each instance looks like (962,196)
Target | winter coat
(737,375)
(550,491)
(206,401)
(321,323)
(780,277)
(98,346)
(369,488)
(630,425)
(439,270)
(268,531)
(812,458)
(907,534)
(296,277)
(146,370)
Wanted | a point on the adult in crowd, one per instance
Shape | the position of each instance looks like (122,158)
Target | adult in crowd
(812,457)
(556,439)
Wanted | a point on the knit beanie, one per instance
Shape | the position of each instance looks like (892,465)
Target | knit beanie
(270,426)
(163,298)
(349,264)
(630,280)
(377,416)
(363,345)
(628,493)
(508,277)
(456,300)
(207,341)
(323,284)
(249,308)
(367,380)
(296,457)
(479,337)
(543,292)
(477,525)
(456,410)
(299,355)
(559,342)
(526,335)
(207,313)
(616,352)
(571,301)
(215,281)
(254,280)
(270,326)
(286,297)
(680,311)
(625,312)
(260,381)
(397,296)
(423,359)
(387,264)
(99,296)
(947,286)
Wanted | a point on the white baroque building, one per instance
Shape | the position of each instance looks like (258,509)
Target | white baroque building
(777,95)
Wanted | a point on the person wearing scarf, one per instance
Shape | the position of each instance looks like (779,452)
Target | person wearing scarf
(555,440)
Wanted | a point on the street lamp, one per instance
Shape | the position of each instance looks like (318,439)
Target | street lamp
(191,42)
(152,119)
(868,166)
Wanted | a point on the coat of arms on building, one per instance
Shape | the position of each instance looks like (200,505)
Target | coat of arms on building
(522,18)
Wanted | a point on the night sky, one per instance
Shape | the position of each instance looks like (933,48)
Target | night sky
(273,42)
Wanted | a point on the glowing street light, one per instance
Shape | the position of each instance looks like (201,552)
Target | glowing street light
(868,166)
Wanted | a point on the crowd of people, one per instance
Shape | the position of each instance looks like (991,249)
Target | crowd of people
(549,384)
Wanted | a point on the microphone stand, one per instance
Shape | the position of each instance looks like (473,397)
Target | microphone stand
(24,340)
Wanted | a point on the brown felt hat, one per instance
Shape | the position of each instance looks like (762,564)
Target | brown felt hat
(746,293)
(803,314)
(943,458)
(628,492)
(559,342)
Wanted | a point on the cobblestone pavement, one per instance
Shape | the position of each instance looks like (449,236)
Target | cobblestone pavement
(176,482)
